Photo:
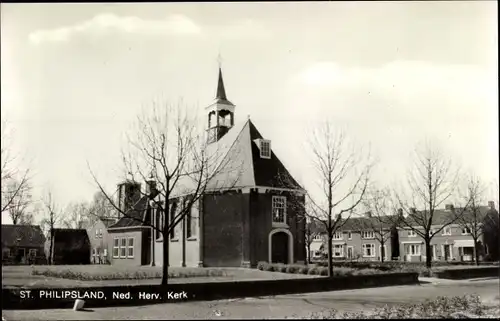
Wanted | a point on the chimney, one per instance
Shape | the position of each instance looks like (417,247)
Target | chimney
(368,214)
(449,207)
(491,205)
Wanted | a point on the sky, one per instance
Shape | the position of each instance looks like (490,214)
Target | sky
(391,74)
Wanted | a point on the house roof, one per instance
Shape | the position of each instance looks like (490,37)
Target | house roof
(367,223)
(73,238)
(134,216)
(441,216)
(22,235)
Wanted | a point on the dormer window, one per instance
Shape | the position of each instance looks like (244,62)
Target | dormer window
(265,148)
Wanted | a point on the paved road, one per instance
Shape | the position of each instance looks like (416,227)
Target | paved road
(298,305)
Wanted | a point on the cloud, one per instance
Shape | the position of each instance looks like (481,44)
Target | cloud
(173,24)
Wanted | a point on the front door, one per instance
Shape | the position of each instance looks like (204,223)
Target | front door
(349,253)
(21,253)
(279,248)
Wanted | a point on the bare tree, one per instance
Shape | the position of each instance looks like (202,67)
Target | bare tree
(378,203)
(77,215)
(19,199)
(52,218)
(473,220)
(100,207)
(168,148)
(343,177)
(431,182)
(15,182)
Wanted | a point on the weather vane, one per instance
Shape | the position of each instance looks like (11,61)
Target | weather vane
(219,59)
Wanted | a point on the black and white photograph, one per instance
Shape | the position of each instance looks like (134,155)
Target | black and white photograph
(250,160)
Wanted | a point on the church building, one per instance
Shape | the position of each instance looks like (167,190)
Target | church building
(255,216)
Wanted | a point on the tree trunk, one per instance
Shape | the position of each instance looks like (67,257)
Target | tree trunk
(166,261)
(50,258)
(382,251)
(428,253)
(330,256)
(308,253)
(476,252)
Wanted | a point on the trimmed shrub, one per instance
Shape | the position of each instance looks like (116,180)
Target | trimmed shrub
(313,271)
(280,267)
(292,269)
(270,268)
(262,265)
(303,270)
(323,271)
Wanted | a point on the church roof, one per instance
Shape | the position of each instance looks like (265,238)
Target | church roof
(236,160)
(134,216)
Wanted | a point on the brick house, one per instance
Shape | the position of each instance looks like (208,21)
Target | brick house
(250,212)
(99,240)
(453,243)
(22,244)
(361,238)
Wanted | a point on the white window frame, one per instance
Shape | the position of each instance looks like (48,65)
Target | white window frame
(123,247)
(446,231)
(467,229)
(372,248)
(338,236)
(349,235)
(96,233)
(130,247)
(265,146)
(100,233)
(367,235)
(411,233)
(116,248)
(281,201)
(341,252)
(414,247)
(318,237)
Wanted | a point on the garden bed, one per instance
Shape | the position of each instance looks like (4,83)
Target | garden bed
(464,307)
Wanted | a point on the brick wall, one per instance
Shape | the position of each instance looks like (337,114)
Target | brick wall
(136,260)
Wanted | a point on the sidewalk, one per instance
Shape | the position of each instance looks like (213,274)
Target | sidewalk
(430,280)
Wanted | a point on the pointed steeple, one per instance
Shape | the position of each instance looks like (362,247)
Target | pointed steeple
(221,92)
(220,96)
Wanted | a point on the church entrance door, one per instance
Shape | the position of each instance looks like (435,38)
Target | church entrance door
(280,248)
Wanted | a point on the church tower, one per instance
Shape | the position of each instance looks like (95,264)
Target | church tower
(220,113)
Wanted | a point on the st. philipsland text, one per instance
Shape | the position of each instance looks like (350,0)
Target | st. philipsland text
(71,294)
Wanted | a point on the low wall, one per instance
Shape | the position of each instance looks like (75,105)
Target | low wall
(468,273)
(13,298)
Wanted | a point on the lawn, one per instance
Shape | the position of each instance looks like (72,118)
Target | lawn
(99,275)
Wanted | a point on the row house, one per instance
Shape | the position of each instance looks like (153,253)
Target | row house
(454,242)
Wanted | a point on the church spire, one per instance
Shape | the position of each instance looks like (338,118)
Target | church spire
(221,91)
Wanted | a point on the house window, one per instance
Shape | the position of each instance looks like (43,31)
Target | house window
(96,234)
(466,231)
(123,248)
(130,250)
(265,148)
(414,249)
(116,248)
(349,236)
(173,210)
(105,252)
(100,233)
(368,234)
(317,237)
(338,250)
(447,231)
(369,250)
(279,209)
(411,233)
(337,235)
(32,252)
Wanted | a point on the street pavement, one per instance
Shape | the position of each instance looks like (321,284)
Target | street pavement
(282,306)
